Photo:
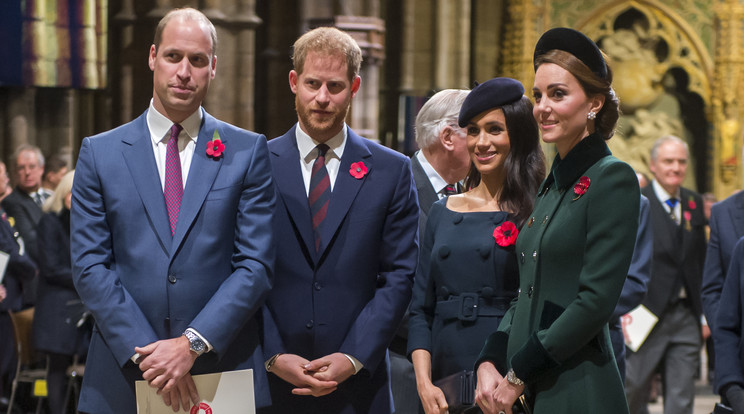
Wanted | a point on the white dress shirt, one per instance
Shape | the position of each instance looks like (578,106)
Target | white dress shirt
(308,153)
(160,126)
(436,180)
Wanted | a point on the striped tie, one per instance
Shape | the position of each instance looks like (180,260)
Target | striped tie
(320,192)
(173,189)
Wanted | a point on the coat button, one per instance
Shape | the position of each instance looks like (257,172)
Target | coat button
(522,257)
(316,285)
(534,255)
(172,279)
(309,325)
(545,220)
(530,291)
(531,222)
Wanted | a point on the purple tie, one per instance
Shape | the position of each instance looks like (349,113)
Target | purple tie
(320,192)
(173,189)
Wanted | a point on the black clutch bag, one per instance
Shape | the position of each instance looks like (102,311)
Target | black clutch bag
(722,409)
(459,390)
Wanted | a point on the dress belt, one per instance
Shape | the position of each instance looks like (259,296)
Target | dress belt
(468,306)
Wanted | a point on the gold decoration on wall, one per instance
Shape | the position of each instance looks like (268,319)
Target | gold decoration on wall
(728,84)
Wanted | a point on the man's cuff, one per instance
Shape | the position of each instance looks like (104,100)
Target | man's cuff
(194,331)
(135,358)
(355,362)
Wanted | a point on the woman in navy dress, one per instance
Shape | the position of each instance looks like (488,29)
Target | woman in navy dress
(58,306)
(467,273)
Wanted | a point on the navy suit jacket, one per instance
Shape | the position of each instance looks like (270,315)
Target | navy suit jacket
(350,296)
(729,324)
(726,226)
(427,196)
(142,284)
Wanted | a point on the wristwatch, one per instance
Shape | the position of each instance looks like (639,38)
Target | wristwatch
(512,378)
(195,343)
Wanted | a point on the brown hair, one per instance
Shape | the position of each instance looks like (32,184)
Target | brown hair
(328,41)
(592,84)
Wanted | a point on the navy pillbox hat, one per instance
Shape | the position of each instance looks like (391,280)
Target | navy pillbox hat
(575,43)
(492,93)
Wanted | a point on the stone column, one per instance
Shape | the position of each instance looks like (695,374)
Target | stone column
(727,97)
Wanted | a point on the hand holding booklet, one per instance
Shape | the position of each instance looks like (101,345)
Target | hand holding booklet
(637,324)
(229,392)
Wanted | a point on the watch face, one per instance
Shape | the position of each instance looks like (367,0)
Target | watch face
(197,345)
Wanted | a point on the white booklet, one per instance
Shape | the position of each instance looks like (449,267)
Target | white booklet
(229,392)
(4,258)
(637,324)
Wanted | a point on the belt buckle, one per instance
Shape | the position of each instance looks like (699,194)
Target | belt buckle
(468,307)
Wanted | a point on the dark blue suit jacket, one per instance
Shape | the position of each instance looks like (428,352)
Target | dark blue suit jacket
(350,296)
(726,226)
(142,284)
(729,324)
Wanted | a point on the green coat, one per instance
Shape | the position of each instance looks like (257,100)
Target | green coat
(573,254)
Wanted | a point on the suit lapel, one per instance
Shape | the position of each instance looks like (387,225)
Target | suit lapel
(737,213)
(346,187)
(426,194)
(288,179)
(202,174)
(140,160)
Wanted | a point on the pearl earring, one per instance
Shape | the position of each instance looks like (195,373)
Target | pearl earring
(591,115)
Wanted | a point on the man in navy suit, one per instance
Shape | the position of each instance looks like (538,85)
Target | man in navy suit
(347,213)
(171,237)
(726,227)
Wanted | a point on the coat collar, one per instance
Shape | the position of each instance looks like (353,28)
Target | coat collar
(585,154)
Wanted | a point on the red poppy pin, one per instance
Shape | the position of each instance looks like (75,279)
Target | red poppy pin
(691,204)
(215,147)
(358,170)
(581,187)
(506,234)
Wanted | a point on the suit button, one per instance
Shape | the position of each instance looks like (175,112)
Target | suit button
(172,279)
(316,285)
(309,325)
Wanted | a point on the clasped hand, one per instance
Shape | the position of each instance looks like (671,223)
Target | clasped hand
(494,394)
(165,365)
(318,377)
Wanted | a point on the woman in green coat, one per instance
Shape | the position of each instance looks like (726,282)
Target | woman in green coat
(574,251)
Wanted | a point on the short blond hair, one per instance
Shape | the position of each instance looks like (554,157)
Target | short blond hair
(328,41)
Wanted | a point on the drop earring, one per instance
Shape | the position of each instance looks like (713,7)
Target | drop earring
(591,115)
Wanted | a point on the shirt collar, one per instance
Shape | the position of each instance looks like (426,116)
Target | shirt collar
(160,125)
(306,145)
(662,194)
(435,179)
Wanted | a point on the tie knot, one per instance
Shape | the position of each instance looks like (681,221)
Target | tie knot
(449,190)
(671,202)
(175,130)
(322,149)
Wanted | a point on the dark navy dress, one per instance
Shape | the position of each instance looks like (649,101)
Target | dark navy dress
(463,286)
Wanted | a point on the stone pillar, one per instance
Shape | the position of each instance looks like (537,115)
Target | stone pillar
(727,97)
(452,52)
